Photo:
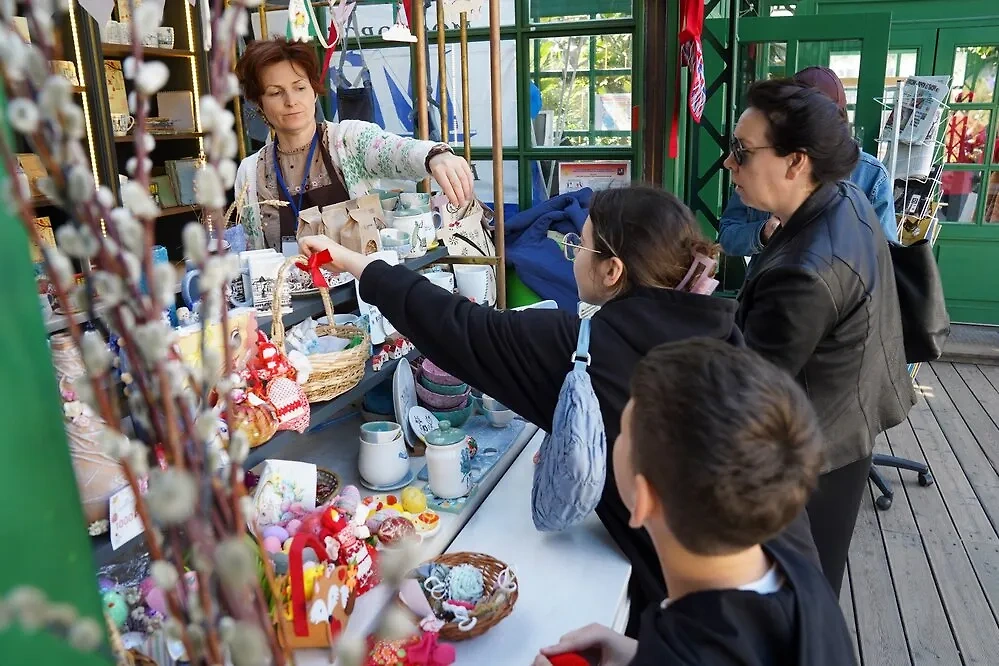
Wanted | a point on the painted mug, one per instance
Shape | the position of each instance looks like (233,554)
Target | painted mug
(122,123)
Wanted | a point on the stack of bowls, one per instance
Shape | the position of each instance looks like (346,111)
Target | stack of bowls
(497,414)
(444,395)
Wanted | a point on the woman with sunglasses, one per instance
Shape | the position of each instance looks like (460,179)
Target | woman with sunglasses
(820,299)
(743,231)
(637,246)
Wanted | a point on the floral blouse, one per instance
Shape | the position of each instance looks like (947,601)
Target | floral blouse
(363,153)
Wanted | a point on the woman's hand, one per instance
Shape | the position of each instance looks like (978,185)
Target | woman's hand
(608,647)
(454,176)
(342,258)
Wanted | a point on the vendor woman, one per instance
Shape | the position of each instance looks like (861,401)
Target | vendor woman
(319,164)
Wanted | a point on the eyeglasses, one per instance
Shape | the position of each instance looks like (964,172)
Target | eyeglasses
(740,152)
(572,244)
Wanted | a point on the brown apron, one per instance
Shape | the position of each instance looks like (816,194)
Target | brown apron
(327,195)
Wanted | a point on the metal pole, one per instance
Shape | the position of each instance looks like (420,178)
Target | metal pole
(263,22)
(466,116)
(442,75)
(420,32)
(495,67)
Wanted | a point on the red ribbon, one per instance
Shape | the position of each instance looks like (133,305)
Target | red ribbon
(316,261)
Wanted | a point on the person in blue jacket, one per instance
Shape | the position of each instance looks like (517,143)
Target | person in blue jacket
(744,231)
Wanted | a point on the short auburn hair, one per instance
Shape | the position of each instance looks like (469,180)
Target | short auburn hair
(263,52)
(729,442)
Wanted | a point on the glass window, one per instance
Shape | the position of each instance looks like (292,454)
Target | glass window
(585,89)
(563,11)
(959,195)
(783,9)
(965,137)
(975,74)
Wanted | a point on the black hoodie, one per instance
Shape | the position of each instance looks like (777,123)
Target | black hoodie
(521,358)
(799,625)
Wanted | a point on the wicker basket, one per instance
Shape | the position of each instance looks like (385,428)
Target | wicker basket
(333,373)
(491,569)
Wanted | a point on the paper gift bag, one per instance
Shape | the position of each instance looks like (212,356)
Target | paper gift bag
(318,621)
(469,235)
(360,233)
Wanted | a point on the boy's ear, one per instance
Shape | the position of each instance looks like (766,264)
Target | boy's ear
(646,503)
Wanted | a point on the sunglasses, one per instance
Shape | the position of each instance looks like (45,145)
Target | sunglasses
(739,152)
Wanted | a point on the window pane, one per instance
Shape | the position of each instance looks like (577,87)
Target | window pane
(992,200)
(479,92)
(595,174)
(960,190)
(975,73)
(783,9)
(578,114)
(483,171)
(562,11)
(965,137)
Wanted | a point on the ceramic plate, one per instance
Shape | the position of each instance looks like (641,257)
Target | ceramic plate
(402,483)
(404,398)
(422,422)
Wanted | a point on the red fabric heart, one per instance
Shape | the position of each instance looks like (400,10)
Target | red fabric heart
(317,261)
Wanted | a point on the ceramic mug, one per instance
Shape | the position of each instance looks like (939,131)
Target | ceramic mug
(411,225)
(121,123)
(408,200)
(383,464)
(476,283)
(428,221)
(449,469)
(164,37)
(443,280)
(380,432)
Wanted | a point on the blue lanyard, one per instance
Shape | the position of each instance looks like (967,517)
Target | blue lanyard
(296,208)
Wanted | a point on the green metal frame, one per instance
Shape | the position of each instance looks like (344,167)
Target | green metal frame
(523,32)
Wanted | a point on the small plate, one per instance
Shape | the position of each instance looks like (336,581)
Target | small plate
(404,399)
(422,422)
(402,483)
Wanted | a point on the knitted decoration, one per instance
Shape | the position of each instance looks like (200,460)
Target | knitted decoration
(291,404)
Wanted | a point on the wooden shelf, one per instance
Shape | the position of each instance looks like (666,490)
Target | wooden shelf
(78,89)
(125,50)
(178,210)
(41,201)
(177,136)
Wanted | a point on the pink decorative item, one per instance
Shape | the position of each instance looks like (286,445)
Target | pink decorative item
(437,401)
(272,544)
(156,600)
(291,404)
(438,376)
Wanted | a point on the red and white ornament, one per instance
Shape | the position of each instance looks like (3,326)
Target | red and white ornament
(291,404)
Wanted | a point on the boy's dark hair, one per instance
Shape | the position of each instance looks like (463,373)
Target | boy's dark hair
(803,119)
(728,441)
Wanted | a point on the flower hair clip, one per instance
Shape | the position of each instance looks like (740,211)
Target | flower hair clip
(698,279)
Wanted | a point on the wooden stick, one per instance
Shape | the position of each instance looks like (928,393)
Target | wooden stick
(423,120)
(466,115)
(496,66)
(442,75)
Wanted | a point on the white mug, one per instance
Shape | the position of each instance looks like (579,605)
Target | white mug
(476,283)
(385,463)
(164,37)
(121,123)
(449,469)
(428,223)
(411,225)
(443,280)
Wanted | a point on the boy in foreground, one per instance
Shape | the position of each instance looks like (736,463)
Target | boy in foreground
(719,450)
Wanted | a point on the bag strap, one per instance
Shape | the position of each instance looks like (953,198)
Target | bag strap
(581,357)
(364,76)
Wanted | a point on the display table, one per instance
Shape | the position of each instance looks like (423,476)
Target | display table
(567,579)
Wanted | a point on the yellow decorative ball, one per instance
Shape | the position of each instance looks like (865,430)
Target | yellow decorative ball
(414,500)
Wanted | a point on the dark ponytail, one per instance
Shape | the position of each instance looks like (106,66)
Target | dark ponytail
(803,119)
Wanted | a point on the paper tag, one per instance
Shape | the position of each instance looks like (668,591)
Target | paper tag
(125,521)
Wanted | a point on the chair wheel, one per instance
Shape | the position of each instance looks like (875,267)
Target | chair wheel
(883,502)
(925,479)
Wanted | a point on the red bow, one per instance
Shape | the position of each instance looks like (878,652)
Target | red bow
(315,262)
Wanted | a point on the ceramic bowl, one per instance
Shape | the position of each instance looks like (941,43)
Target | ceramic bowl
(393,239)
(438,401)
(491,403)
(456,417)
(380,432)
(438,376)
(442,389)
(498,418)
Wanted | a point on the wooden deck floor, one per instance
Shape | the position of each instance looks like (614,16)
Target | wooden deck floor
(923,583)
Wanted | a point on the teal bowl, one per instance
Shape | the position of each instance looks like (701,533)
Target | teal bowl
(456,417)
(441,389)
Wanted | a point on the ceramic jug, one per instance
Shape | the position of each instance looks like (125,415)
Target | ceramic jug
(449,464)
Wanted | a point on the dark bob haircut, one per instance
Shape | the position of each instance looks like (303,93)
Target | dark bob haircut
(804,120)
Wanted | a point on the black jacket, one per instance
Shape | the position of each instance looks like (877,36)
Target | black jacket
(799,625)
(820,302)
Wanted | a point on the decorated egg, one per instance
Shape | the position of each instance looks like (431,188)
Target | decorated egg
(104,584)
(395,529)
(156,600)
(286,546)
(116,607)
(414,500)
(278,532)
(272,544)
(293,526)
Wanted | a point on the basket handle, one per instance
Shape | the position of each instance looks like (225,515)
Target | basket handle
(299,612)
(277,323)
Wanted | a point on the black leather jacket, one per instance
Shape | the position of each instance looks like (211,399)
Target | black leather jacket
(820,302)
